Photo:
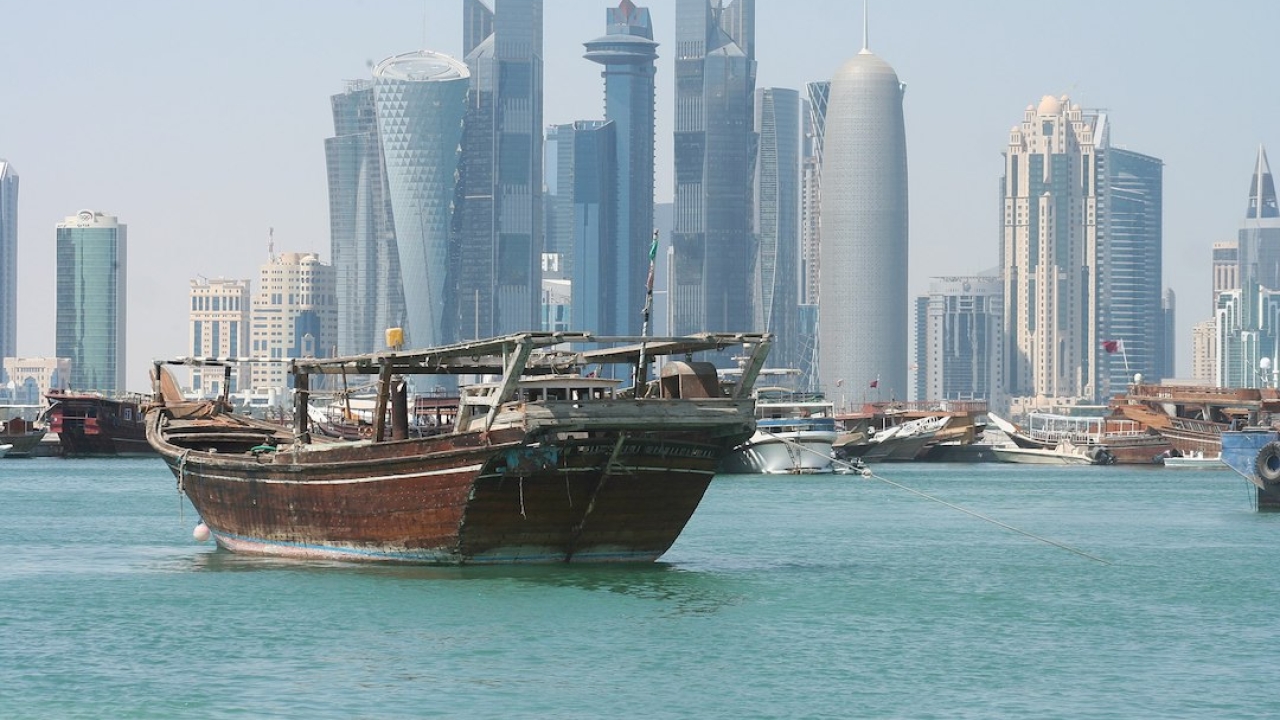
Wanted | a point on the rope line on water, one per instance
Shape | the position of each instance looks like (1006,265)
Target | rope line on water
(866,472)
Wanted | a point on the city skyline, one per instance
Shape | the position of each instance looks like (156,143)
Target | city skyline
(215,154)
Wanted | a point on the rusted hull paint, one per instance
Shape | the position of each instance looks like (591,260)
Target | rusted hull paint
(455,500)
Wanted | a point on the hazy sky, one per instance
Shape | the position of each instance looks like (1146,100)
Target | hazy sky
(202,124)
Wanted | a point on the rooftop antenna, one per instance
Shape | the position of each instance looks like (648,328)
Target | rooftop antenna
(865,47)
(271,243)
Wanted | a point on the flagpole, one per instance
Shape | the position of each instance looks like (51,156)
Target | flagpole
(642,375)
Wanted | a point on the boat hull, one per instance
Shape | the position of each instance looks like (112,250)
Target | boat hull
(467,498)
(89,425)
(1034,456)
(1254,453)
(24,444)
(795,453)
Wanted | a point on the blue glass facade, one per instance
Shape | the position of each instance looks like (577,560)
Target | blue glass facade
(366,261)
(498,212)
(1135,312)
(589,149)
(714,165)
(421,98)
(91,300)
(775,282)
(628,53)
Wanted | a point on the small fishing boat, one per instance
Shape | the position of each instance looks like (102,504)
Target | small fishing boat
(548,460)
(1064,453)
(1195,460)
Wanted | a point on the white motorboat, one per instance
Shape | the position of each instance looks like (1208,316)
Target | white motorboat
(1195,461)
(1064,453)
(795,431)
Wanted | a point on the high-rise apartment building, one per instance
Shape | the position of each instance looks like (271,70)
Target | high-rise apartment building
(1081,255)
(294,315)
(714,164)
(8,261)
(862,331)
(90,296)
(219,327)
(961,323)
(1204,352)
(1050,251)
(366,261)
(499,226)
(420,99)
(776,222)
(628,53)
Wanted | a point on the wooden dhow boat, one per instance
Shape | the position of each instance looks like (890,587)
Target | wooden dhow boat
(548,461)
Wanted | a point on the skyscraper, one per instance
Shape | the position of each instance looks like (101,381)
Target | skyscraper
(293,316)
(366,261)
(219,327)
(1134,311)
(862,328)
(1052,244)
(714,165)
(586,192)
(420,99)
(627,52)
(8,261)
(91,285)
(1248,317)
(813,122)
(814,125)
(1081,255)
(499,223)
(776,222)
(960,321)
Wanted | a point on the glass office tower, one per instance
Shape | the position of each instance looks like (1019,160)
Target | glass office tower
(499,209)
(421,98)
(1135,313)
(91,300)
(714,165)
(776,280)
(627,52)
(366,261)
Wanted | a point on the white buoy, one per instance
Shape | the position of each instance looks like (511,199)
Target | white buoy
(201,533)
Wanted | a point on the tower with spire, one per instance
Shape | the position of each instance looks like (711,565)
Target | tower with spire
(1247,318)
(628,53)
(862,285)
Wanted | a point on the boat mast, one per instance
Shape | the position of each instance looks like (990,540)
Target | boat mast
(642,374)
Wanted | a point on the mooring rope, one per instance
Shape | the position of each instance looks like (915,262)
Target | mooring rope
(867,473)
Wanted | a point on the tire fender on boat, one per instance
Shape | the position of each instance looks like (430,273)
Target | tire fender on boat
(1267,464)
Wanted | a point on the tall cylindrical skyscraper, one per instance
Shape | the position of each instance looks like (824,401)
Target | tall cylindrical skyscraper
(862,289)
(420,98)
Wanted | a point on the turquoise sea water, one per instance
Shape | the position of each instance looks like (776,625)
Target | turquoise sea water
(811,597)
